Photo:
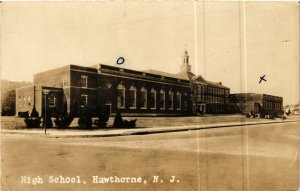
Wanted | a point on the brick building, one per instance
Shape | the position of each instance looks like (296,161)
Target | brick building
(122,90)
(256,103)
(8,96)
(206,96)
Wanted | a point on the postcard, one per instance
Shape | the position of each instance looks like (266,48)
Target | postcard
(150,95)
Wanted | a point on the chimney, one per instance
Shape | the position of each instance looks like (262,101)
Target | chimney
(220,83)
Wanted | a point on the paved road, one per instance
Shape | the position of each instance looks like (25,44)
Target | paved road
(260,157)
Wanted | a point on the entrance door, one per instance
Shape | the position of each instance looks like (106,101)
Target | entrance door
(202,108)
(108,107)
(198,108)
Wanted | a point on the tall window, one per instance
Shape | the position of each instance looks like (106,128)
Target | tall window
(84,81)
(171,97)
(121,96)
(53,83)
(65,79)
(52,101)
(29,99)
(162,98)
(19,101)
(178,100)
(84,100)
(143,98)
(153,99)
(132,97)
(185,105)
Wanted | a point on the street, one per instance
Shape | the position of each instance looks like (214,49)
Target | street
(258,157)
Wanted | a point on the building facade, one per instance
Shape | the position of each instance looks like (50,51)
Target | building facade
(8,96)
(206,96)
(130,92)
(256,103)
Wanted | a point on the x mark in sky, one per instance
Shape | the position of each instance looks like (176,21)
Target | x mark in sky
(262,79)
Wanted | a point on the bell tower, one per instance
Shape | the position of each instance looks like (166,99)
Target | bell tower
(185,67)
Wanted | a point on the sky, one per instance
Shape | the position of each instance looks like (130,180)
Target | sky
(230,42)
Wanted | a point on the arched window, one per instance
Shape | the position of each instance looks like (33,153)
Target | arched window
(143,98)
(162,98)
(153,99)
(132,97)
(52,100)
(171,97)
(178,100)
(121,96)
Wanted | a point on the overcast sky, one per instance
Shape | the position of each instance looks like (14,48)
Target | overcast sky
(233,43)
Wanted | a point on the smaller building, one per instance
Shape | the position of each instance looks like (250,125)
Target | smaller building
(262,104)
(8,96)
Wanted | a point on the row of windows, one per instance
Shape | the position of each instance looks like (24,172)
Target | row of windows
(210,90)
(83,82)
(144,101)
(269,105)
(25,100)
(212,99)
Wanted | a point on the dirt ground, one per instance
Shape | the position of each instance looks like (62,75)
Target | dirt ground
(256,158)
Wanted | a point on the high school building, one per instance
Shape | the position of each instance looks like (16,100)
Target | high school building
(130,92)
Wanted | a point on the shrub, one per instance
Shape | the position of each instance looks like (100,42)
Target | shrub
(130,123)
(23,114)
(248,115)
(85,121)
(34,120)
(63,120)
(102,119)
(120,123)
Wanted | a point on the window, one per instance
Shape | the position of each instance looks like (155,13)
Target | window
(29,98)
(162,98)
(65,79)
(24,100)
(170,103)
(143,98)
(19,101)
(178,100)
(132,97)
(121,96)
(53,83)
(226,93)
(185,105)
(84,100)
(195,88)
(52,101)
(153,99)
(84,81)
(199,89)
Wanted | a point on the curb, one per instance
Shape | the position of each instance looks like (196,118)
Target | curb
(146,131)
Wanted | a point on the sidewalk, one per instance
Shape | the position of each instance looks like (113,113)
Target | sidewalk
(109,132)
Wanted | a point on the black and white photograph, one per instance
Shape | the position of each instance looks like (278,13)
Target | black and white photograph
(150,95)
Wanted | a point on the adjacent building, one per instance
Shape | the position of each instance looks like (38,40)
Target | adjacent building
(256,103)
(8,96)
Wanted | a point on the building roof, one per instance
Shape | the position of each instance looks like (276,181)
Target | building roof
(156,72)
(254,94)
(199,78)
